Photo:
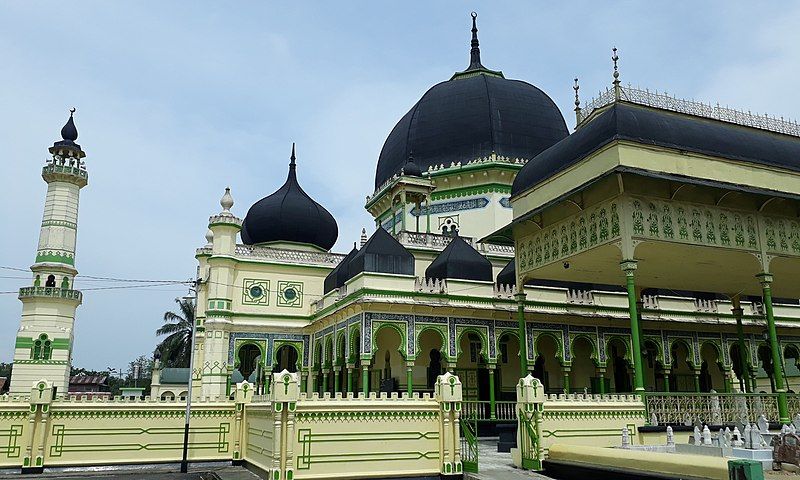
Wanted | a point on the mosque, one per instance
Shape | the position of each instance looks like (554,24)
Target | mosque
(655,248)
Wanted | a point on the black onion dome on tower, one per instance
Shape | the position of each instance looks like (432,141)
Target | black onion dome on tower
(290,215)
(474,114)
(69,133)
(460,261)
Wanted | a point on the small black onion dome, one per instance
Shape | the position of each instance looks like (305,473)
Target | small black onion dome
(338,275)
(69,133)
(474,114)
(289,215)
(381,254)
(411,169)
(460,261)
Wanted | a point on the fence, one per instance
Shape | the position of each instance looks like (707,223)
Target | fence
(504,411)
(715,408)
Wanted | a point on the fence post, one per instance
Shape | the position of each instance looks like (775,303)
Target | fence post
(530,405)
(42,394)
(242,396)
(284,395)
(449,395)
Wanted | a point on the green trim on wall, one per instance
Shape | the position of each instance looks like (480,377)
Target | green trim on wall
(469,191)
(55,343)
(55,256)
(60,223)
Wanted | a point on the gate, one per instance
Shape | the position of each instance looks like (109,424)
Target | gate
(469,442)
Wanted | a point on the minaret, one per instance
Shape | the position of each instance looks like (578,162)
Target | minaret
(44,340)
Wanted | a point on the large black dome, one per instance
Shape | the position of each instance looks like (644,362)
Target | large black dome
(289,215)
(473,114)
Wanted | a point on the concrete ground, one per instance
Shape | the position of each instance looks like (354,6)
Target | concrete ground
(158,472)
(498,466)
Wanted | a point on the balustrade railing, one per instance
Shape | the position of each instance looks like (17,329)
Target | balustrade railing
(481,410)
(715,408)
(53,292)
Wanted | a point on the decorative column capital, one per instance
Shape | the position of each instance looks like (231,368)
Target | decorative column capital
(765,279)
(410,364)
(629,266)
(520,296)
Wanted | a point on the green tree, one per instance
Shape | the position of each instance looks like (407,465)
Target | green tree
(176,348)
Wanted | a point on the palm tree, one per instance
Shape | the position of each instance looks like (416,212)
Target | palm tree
(177,347)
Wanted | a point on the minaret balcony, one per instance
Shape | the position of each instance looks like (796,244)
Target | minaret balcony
(54,172)
(50,292)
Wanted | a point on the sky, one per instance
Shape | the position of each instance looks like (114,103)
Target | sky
(178,100)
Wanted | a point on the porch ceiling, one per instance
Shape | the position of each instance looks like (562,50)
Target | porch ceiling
(679,267)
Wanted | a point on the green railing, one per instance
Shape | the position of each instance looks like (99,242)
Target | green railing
(469,444)
(715,408)
(529,445)
(481,410)
(53,292)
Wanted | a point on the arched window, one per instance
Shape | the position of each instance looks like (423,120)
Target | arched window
(42,348)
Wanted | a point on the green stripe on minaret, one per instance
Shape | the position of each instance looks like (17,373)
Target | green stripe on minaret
(55,256)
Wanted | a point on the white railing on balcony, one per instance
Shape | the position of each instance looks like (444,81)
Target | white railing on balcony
(430,285)
(650,302)
(665,101)
(439,242)
(580,297)
(706,305)
(289,256)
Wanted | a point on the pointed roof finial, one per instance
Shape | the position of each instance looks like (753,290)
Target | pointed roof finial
(577,87)
(68,131)
(292,158)
(616,82)
(363,237)
(475,51)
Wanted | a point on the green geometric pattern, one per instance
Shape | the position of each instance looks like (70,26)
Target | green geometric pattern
(361,453)
(55,256)
(255,292)
(9,441)
(290,294)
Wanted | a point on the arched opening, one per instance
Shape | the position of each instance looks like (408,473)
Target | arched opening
(167,395)
(583,367)
(249,364)
(328,366)
(741,367)
(618,366)
(547,364)
(764,374)
(653,369)
(51,281)
(286,359)
(471,367)
(387,364)
(429,360)
(712,375)
(682,375)
(509,366)
(339,363)
(355,358)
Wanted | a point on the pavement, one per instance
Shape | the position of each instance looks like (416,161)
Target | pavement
(493,465)
(157,472)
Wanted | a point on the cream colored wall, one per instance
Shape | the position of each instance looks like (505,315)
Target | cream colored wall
(61,204)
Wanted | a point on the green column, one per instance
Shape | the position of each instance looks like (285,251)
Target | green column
(349,379)
(666,381)
(777,363)
(492,403)
(522,333)
(629,267)
(325,380)
(737,313)
(336,380)
(697,381)
(409,378)
(365,380)
(727,381)
(566,380)
(303,381)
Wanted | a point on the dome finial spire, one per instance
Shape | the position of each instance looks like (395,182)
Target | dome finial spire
(475,51)
(616,82)
(68,131)
(292,158)
(577,87)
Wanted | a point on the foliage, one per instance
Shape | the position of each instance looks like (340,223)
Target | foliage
(176,348)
